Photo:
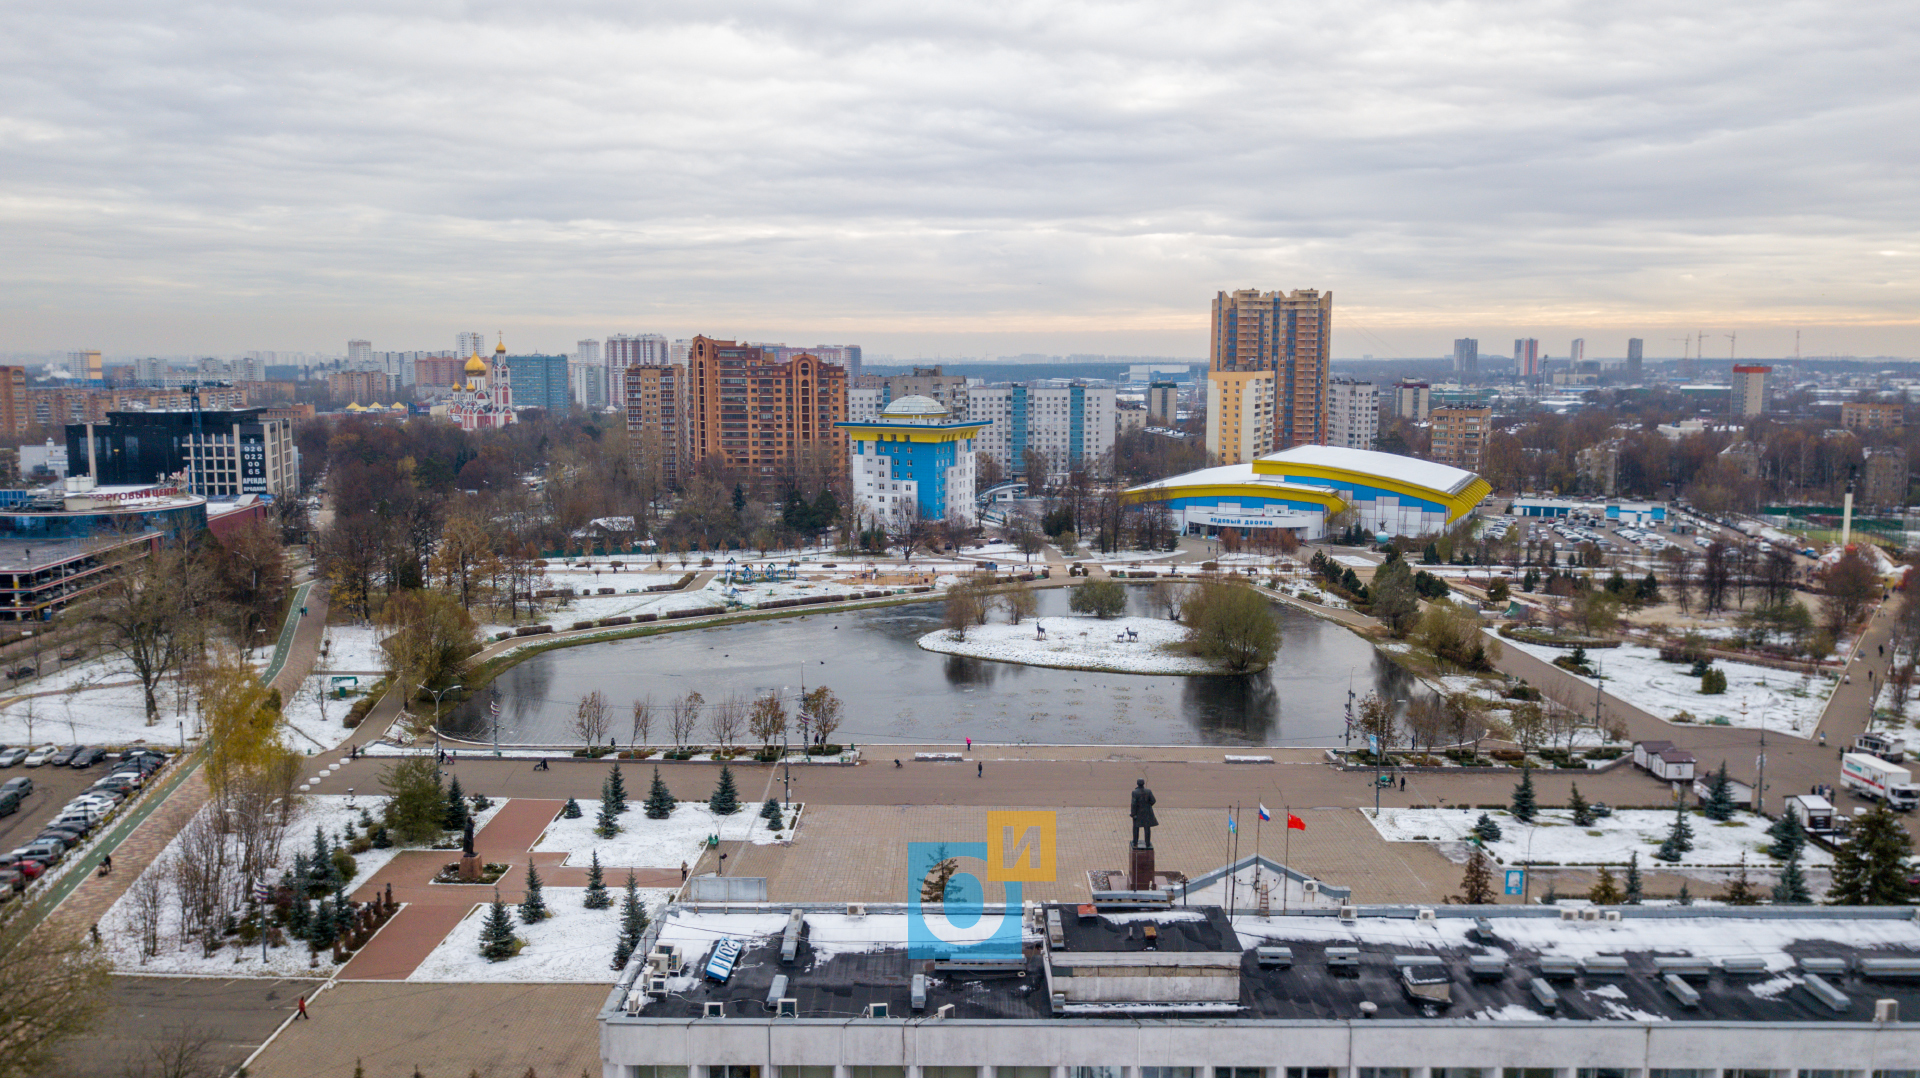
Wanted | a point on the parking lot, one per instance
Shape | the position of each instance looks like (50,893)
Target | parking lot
(53,787)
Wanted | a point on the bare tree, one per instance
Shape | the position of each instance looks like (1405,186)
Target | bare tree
(186,1052)
(147,609)
(725,719)
(1426,721)
(53,986)
(642,720)
(590,722)
(683,717)
(1020,603)
(148,897)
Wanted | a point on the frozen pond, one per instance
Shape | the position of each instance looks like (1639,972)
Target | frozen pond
(895,692)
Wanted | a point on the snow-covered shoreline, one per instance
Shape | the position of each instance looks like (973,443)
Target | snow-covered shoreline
(1077,643)
(1781,700)
(1553,838)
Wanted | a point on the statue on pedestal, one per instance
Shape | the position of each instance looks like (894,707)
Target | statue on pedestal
(1144,821)
(466,838)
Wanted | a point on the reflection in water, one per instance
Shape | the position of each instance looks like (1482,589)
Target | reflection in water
(895,692)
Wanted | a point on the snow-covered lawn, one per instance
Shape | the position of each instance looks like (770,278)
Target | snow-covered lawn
(110,716)
(573,945)
(333,813)
(645,843)
(1785,702)
(1610,840)
(1078,643)
(351,649)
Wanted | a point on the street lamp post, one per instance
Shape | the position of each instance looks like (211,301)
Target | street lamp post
(436,714)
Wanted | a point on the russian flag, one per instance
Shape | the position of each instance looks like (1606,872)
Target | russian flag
(1265,815)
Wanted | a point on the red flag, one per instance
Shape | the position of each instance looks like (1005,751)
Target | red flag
(1295,823)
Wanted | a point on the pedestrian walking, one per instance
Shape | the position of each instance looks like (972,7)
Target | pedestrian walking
(979,770)
(683,872)
(969,744)
(94,929)
(302,1006)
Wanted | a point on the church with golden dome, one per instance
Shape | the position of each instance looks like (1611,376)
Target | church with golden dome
(485,400)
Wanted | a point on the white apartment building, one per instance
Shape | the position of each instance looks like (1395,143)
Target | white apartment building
(470,344)
(359,353)
(587,383)
(1353,413)
(1239,415)
(864,404)
(625,350)
(1072,425)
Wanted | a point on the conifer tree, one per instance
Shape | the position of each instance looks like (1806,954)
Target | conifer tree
(1719,803)
(1523,807)
(533,908)
(1871,869)
(496,934)
(596,897)
(299,916)
(1788,838)
(382,840)
(1741,892)
(617,786)
(1486,829)
(456,806)
(659,798)
(1792,889)
(1582,812)
(1683,898)
(770,810)
(1679,837)
(1605,891)
(322,929)
(1636,887)
(607,823)
(571,811)
(633,924)
(726,799)
(1476,884)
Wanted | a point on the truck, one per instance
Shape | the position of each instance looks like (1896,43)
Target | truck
(1815,813)
(1877,780)
(1889,747)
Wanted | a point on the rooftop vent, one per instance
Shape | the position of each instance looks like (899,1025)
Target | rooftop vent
(1679,967)
(1369,1008)
(1825,967)
(1056,933)
(1682,991)
(875,1010)
(1605,965)
(715,1009)
(1482,931)
(1343,958)
(1273,957)
(1886,1010)
(1818,988)
(1560,969)
(790,942)
(787,1008)
(1349,914)
(1544,995)
(776,991)
(1424,914)
(919,991)
(1890,969)
(945,1011)
(1487,967)
(1747,965)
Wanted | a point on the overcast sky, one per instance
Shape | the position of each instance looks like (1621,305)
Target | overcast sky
(995,178)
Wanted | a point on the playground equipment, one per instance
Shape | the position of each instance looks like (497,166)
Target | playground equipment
(768,574)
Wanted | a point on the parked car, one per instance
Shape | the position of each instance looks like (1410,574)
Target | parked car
(19,672)
(114,782)
(67,836)
(29,868)
(12,880)
(88,757)
(21,785)
(9,803)
(64,755)
(11,756)
(68,654)
(44,849)
(40,755)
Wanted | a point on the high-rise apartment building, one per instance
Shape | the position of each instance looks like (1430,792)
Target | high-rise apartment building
(1239,415)
(539,382)
(759,415)
(1460,436)
(1526,357)
(587,385)
(1353,413)
(1634,360)
(624,350)
(1750,390)
(469,344)
(1854,415)
(86,364)
(1577,354)
(1290,334)
(15,413)
(1163,404)
(1466,357)
(358,387)
(950,390)
(865,402)
(655,399)
(359,354)
(1072,426)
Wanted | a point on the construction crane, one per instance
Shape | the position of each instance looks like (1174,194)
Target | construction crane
(1733,342)
(1686,350)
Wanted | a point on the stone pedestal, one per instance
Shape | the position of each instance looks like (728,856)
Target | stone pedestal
(1140,868)
(471,867)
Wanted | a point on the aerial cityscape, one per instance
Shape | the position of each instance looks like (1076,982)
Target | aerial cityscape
(780,541)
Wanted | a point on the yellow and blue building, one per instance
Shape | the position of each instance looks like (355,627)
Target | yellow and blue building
(913,463)
(1300,488)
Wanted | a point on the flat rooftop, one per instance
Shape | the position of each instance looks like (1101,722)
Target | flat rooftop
(1748,966)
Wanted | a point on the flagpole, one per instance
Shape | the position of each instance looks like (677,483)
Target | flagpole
(1287,856)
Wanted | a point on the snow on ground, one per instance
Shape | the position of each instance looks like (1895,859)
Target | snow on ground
(331,812)
(101,670)
(1080,643)
(1784,701)
(115,715)
(1247,897)
(574,945)
(1554,840)
(353,649)
(645,843)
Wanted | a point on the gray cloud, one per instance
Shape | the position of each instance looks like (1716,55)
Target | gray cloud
(1081,175)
